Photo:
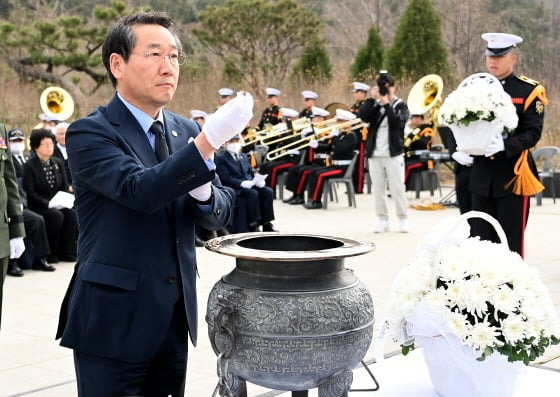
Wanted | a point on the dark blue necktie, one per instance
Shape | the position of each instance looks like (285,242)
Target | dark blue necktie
(161,149)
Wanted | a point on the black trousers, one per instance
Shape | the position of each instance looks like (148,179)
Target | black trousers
(297,177)
(161,376)
(512,212)
(464,199)
(259,201)
(62,230)
(36,239)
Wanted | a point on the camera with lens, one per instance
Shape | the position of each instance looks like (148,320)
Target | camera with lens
(383,81)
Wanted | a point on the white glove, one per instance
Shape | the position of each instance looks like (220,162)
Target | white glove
(229,120)
(314,144)
(334,132)
(463,158)
(247,184)
(293,151)
(17,247)
(497,145)
(203,192)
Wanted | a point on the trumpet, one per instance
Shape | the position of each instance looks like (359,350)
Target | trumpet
(318,134)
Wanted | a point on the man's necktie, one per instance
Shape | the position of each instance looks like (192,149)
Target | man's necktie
(162,151)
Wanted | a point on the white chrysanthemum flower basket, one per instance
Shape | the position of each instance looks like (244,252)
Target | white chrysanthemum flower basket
(462,300)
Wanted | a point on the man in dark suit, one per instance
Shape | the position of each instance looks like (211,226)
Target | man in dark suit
(256,198)
(140,185)
(60,148)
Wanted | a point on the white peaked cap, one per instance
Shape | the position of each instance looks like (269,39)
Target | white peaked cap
(195,113)
(360,86)
(346,115)
(272,91)
(309,94)
(315,111)
(225,92)
(287,112)
(500,43)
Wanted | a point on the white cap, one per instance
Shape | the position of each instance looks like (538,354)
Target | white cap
(287,112)
(46,117)
(346,115)
(272,91)
(309,95)
(195,113)
(500,43)
(316,111)
(360,86)
(225,92)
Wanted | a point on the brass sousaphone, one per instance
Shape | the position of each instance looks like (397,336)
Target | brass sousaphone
(425,98)
(57,103)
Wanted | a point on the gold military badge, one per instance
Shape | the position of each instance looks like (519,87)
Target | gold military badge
(540,107)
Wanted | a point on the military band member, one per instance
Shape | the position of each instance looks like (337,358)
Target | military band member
(492,181)
(276,167)
(314,158)
(343,142)
(360,95)
(419,137)
(271,115)
(199,116)
(309,100)
(226,94)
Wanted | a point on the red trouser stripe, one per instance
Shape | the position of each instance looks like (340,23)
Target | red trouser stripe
(360,187)
(409,168)
(524,224)
(302,181)
(321,180)
(275,170)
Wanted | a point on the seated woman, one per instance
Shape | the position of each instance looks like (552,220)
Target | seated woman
(44,176)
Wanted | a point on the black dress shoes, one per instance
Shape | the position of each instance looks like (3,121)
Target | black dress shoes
(289,199)
(296,200)
(14,269)
(313,205)
(268,227)
(42,264)
(52,259)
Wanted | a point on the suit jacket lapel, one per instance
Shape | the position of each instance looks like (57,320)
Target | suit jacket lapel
(173,133)
(130,130)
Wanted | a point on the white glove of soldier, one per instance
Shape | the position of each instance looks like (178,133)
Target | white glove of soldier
(228,120)
(247,184)
(314,144)
(334,132)
(203,192)
(463,158)
(16,247)
(495,146)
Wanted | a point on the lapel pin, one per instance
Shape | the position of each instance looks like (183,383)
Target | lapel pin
(174,133)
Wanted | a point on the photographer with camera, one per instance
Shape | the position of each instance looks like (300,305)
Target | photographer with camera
(387,115)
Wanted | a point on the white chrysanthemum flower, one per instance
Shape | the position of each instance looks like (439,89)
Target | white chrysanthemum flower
(513,329)
(459,325)
(505,299)
(483,335)
(475,297)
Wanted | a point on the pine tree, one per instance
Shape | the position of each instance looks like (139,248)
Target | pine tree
(418,47)
(369,58)
(314,64)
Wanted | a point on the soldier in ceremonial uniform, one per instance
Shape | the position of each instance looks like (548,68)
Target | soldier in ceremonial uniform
(271,115)
(226,94)
(199,116)
(309,100)
(496,187)
(360,94)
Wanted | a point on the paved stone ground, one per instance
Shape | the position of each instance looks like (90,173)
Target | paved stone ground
(33,364)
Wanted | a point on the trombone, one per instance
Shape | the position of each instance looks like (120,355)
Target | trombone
(318,134)
(293,127)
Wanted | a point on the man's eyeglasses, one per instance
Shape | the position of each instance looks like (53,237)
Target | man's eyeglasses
(176,58)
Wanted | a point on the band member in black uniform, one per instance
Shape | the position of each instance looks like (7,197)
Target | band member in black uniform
(314,158)
(309,100)
(276,167)
(360,95)
(343,144)
(419,137)
(271,115)
(491,174)
(226,95)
